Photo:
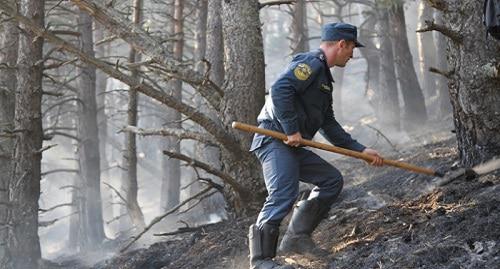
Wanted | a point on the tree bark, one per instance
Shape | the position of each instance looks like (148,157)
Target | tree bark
(101,51)
(8,57)
(299,41)
(426,51)
(130,185)
(171,182)
(244,88)
(474,90)
(92,226)
(389,108)
(415,113)
(215,45)
(203,152)
(372,55)
(24,187)
(442,64)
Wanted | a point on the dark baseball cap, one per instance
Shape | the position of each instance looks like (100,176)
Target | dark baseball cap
(338,30)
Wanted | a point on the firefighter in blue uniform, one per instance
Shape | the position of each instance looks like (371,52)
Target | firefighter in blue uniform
(300,104)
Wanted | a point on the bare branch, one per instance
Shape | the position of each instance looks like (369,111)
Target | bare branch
(149,46)
(446,74)
(385,137)
(431,26)
(57,65)
(159,218)
(65,32)
(49,136)
(40,151)
(116,218)
(56,94)
(198,202)
(117,192)
(59,171)
(187,230)
(50,222)
(54,207)
(275,3)
(209,169)
(179,133)
(212,126)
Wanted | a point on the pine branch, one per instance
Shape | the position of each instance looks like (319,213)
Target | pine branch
(209,169)
(431,26)
(179,133)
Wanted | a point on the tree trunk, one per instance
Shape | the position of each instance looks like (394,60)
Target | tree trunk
(414,103)
(215,45)
(244,88)
(474,90)
(442,64)
(130,185)
(8,57)
(203,152)
(299,41)
(372,56)
(88,151)
(101,51)
(171,183)
(24,187)
(426,51)
(388,96)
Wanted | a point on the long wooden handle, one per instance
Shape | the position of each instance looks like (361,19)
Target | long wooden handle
(351,153)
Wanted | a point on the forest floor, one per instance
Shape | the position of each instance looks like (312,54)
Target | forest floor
(384,218)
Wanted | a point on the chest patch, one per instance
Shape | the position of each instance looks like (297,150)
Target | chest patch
(325,87)
(302,71)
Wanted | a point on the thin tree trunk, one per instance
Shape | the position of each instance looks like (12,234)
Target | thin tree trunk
(208,154)
(8,57)
(388,96)
(372,55)
(172,176)
(24,187)
(101,51)
(88,151)
(474,89)
(442,82)
(215,45)
(130,158)
(414,103)
(426,51)
(299,31)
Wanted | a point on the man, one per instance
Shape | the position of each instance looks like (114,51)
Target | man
(300,104)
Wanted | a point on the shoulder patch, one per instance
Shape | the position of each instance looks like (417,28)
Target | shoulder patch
(302,71)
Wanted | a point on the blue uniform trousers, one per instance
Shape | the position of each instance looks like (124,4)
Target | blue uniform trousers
(283,166)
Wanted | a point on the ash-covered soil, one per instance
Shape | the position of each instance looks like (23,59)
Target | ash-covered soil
(385,218)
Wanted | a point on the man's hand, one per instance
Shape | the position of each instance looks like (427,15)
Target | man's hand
(378,160)
(293,140)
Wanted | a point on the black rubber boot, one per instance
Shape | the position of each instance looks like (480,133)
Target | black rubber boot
(263,243)
(306,217)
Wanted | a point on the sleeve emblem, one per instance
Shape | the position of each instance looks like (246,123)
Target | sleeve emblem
(302,71)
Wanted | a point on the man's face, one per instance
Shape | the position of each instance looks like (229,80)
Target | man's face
(344,52)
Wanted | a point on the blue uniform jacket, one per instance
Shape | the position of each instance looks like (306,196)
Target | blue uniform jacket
(301,100)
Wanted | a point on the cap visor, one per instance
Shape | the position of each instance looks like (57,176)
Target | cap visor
(358,45)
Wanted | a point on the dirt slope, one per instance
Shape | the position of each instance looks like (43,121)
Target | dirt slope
(385,218)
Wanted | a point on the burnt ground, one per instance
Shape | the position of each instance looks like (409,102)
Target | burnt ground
(385,218)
